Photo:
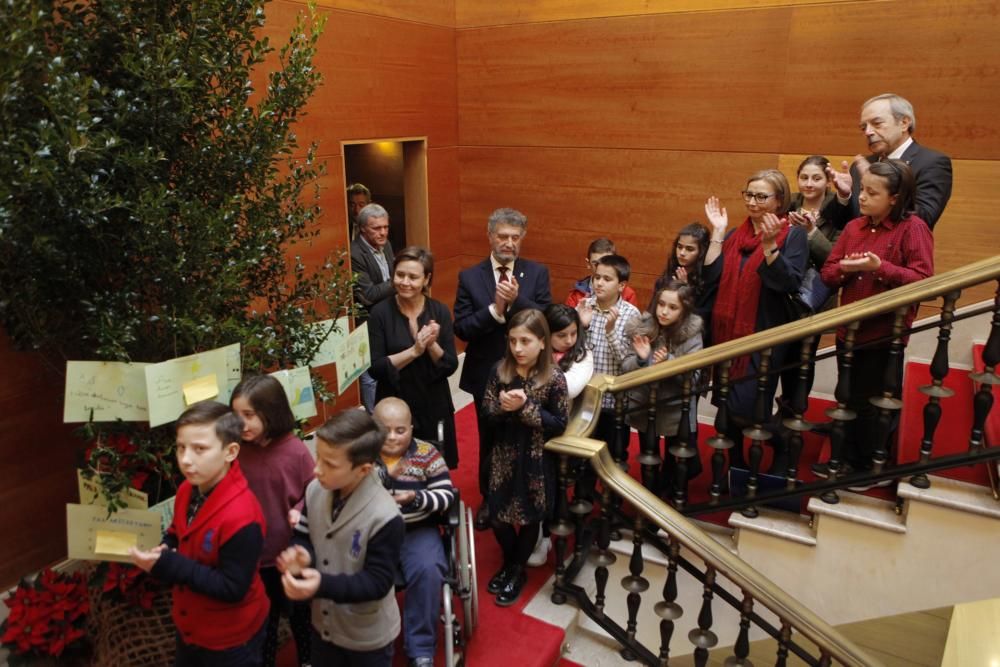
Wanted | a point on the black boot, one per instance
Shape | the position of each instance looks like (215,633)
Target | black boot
(499,580)
(511,591)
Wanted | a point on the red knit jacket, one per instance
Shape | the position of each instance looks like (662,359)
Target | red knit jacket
(202,620)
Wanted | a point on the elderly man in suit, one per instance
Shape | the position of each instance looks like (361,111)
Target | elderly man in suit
(488,294)
(888,123)
(371,260)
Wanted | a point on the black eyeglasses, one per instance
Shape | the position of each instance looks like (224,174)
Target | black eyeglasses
(759,197)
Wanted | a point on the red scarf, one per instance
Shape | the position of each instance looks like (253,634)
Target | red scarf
(735,312)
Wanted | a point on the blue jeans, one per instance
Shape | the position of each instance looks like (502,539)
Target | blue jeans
(250,654)
(325,654)
(368,385)
(423,565)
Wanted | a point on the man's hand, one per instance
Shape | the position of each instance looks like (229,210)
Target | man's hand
(145,560)
(609,324)
(860,261)
(842,180)
(862,164)
(303,587)
(506,295)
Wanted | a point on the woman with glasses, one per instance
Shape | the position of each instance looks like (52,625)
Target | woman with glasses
(763,260)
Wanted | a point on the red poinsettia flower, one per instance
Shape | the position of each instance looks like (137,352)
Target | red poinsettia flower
(47,615)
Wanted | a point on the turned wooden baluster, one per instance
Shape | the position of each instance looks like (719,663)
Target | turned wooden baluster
(649,456)
(635,584)
(797,424)
(604,557)
(982,403)
(784,639)
(757,433)
(683,450)
(888,405)
(619,444)
(702,637)
(580,508)
(824,659)
(668,610)
(741,649)
(719,442)
(841,414)
(936,390)
(561,528)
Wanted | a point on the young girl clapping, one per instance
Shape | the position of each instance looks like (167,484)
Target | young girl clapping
(671,330)
(525,404)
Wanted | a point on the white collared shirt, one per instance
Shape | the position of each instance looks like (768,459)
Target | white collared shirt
(499,317)
(898,153)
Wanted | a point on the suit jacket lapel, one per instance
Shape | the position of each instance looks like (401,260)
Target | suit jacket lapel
(910,153)
(489,283)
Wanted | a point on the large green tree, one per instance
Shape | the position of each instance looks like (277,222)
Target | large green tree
(151,198)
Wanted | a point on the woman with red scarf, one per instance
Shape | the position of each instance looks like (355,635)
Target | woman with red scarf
(762,261)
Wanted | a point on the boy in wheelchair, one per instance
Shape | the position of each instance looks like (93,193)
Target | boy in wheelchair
(417,477)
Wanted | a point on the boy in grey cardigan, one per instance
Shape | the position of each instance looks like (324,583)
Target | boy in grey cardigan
(352,530)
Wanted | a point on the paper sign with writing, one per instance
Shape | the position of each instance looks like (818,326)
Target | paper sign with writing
(93,535)
(353,358)
(336,333)
(104,391)
(200,389)
(165,509)
(165,381)
(91,494)
(298,387)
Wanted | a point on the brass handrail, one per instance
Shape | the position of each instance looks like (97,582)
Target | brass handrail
(923,290)
(759,587)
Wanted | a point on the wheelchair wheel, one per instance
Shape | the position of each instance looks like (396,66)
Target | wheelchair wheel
(452,658)
(470,582)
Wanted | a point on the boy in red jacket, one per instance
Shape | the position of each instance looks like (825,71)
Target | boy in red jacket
(210,552)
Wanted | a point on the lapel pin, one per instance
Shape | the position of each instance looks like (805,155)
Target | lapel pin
(520,275)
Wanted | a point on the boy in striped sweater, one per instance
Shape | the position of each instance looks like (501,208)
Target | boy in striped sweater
(417,476)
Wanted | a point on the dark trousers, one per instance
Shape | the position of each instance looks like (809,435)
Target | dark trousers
(423,566)
(868,380)
(325,654)
(250,654)
(298,616)
(485,447)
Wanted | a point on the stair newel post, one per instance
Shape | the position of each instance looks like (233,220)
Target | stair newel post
(741,649)
(635,584)
(936,390)
(757,433)
(800,403)
(784,639)
(561,528)
(841,414)
(982,403)
(668,610)
(684,451)
(702,637)
(604,556)
(649,456)
(888,405)
(719,442)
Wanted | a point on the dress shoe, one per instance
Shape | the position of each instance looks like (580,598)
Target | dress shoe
(511,590)
(498,580)
(482,517)
(422,661)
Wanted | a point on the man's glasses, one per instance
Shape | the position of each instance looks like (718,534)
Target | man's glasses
(759,197)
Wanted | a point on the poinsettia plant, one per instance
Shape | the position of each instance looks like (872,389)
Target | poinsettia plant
(127,584)
(47,617)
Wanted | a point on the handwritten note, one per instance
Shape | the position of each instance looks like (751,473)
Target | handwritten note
(89,530)
(165,508)
(335,333)
(298,387)
(105,391)
(165,381)
(91,493)
(353,358)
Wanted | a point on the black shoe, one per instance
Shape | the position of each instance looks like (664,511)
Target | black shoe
(422,661)
(822,470)
(511,591)
(499,580)
(482,517)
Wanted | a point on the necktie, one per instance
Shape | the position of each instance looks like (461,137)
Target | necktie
(503,274)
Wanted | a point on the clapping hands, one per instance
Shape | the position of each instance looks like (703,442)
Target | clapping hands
(512,400)
(506,294)
(426,336)
(857,262)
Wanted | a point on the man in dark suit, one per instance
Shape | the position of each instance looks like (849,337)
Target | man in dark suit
(888,122)
(371,260)
(489,293)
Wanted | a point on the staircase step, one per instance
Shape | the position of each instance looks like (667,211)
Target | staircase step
(862,509)
(954,494)
(793,527)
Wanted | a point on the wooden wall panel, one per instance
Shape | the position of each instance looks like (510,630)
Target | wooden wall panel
(571,196)
(435,12)
(473,13)
(943,61)
(695,82)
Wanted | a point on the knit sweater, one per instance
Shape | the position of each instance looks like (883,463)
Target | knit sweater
(423,471)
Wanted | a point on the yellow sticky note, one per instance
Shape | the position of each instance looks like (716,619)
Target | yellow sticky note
(114,542)
(200,389)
